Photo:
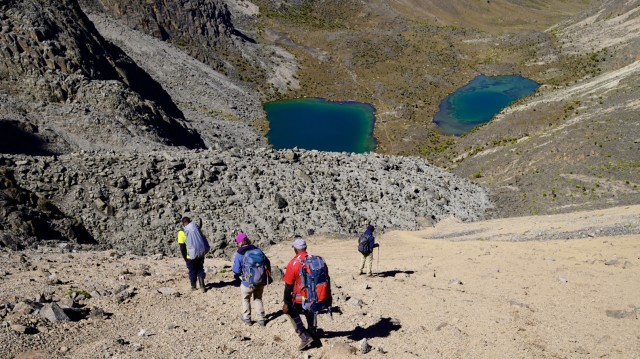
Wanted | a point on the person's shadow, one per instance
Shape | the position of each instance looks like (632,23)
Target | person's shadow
(212,285)
(392,273)
(271,316)
(381,329)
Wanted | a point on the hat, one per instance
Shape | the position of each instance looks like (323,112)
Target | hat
(299,243)
(241,237)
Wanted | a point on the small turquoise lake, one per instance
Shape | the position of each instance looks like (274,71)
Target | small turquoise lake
(317,124)
(479,101)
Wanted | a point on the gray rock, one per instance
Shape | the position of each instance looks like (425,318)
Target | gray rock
(280,201)
(364,346)
(24,308)
(19,328)
(357,303)
(167,291)
(53,312)
(620,314)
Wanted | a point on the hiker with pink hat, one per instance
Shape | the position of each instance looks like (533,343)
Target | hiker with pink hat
(252,267)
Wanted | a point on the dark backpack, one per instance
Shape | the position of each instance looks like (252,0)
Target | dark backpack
(314,278)
(254,270)
(364,244)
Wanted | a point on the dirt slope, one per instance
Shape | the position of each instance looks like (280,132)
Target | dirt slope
(573,298)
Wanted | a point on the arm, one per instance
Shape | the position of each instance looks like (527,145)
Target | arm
(288,298)
(237,265)
(289,280)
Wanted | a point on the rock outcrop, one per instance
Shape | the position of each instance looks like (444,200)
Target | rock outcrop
(59,75)
(26,218)
(203,28)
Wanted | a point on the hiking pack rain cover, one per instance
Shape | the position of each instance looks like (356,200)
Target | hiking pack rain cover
(197,245)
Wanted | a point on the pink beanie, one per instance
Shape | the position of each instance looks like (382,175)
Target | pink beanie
(241,237)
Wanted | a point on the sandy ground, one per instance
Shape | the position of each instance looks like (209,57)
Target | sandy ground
(465,296)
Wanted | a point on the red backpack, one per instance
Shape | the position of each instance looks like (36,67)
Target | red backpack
(314,289)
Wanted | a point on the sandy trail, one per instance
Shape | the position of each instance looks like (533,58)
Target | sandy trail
(431,298)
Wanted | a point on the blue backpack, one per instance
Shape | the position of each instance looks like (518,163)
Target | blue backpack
(254,270)
(314,278)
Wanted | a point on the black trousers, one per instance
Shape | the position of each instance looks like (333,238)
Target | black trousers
(196,268)
(295,311)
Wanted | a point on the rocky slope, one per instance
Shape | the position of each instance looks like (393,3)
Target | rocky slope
(571,146)
(59,75)
(134,201)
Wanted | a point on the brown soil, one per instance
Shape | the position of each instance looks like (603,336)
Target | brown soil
(464,297)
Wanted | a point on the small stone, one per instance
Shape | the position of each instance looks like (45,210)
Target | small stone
(64,349)
(340,350)
(167,291)
(619,314)
(23,308)
(563,280)
(96,313)
(142,333)
(357,303)
(364,346)
(19,328)
(611,262)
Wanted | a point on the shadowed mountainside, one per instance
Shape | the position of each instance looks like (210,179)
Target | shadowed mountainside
(66,78)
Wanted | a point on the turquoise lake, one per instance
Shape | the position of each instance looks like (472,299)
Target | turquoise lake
(478,101)
(317,124)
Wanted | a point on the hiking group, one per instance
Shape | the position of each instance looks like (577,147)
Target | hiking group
(307,285)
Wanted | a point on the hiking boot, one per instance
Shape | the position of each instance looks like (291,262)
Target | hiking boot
(305,341)
(202,286)
(369,274)
(262,323)
(360,273)
(246,321)
(193,285)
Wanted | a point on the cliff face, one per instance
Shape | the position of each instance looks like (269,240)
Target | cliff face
(26,217)
(58,74)
(202,28)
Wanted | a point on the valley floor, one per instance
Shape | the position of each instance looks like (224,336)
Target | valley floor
(452,291)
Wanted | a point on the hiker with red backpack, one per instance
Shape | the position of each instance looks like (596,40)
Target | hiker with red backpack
(307,291)
(366,244)
(253,268)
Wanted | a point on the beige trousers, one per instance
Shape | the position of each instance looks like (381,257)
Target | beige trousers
(367,259)
(245,295)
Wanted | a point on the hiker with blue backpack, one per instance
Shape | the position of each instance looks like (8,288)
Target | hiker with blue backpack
(307,291)
(366,244)
(193,248)
(253,268)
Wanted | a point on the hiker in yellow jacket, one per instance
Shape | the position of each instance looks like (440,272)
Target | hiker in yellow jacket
(193,247)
